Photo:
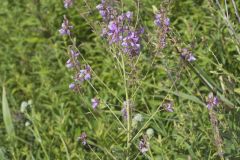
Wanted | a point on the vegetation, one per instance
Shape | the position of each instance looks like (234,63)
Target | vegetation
(169,98)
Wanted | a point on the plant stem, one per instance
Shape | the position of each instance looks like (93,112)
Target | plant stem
(129,119)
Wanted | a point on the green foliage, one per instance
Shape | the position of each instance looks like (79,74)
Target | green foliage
(2,156)
(7,116)
(32,67)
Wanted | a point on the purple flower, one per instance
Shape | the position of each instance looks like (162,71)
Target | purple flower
(107,12)
(157,20)
(124,109)
(191,58)
(114,32)
(72,62)
(72,86)
(141,30)
(83,138)
(118,29)
(74,53)
(125,16)
(69,64)
(131,44)
(65,30)
(167,22)
(95,103)
(212,101)
(163,23)
(100,7)
(84,74)
(124,113)
(143,145)
(187,55)
(113,26)
(87,73)
(161,20)
(68,3)
(129,15)
(81,76)
(163,42)
(169,107)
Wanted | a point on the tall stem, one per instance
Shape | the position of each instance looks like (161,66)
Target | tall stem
(129,119)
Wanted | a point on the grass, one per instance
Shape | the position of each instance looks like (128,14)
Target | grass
(32,67)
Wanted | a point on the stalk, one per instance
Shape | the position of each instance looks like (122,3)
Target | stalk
(217,137)
(129,119)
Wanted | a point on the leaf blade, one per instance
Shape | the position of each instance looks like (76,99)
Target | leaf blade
(7,116)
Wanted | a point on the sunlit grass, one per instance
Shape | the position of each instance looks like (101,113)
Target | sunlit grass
(32,67)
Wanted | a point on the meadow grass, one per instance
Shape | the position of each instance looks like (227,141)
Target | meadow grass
(41,118)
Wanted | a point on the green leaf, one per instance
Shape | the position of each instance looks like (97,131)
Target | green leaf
(188,97)
(237,90)
(2,157)
(155,10)
(7,116)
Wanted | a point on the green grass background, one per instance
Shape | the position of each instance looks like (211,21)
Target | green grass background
(32,67)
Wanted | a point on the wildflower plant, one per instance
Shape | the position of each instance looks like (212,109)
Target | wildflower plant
(127,42)
(119,79)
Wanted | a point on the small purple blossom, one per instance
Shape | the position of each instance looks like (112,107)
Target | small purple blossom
(130,39)
(212,101)
(157,20)
(124,113)
(141,30)
(73,62)
(124,109)
(100,7)
(74,53)
(115,32)
(118,29)
(163,23)
(143,145)
(169,107)
(68,3)
(129,15)
(187,55)
(83,138)
(102,10)
(84,74)
(106,11)
(163,42)
(125,16)
(131,44)
(95,103)
(161,20)
(65,29)
(80,77)
(167,22)
(72,86)
(191,58)
(69,64)
(87,73)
